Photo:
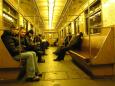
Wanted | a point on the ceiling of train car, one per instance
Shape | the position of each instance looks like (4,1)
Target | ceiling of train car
(70,12)
(43,6)
(31,9)
(28,7)
(63,11)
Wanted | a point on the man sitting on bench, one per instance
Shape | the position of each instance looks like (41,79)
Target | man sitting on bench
(75,43)
(29,44)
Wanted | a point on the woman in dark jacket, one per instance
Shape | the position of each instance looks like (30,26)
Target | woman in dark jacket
(11,43)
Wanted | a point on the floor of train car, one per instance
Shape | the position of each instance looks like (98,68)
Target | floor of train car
(63,73)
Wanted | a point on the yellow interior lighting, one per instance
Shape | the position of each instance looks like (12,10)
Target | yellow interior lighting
(8,17)
(51,9)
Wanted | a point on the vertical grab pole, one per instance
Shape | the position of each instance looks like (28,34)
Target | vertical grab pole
(19,30)
(89,29)
(35,14)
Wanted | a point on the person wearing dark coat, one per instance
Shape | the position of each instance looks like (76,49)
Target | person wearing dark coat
(12,44)
(75,43)
(38,41)
(55,42)
(30,46)
(67,39)
(65,43)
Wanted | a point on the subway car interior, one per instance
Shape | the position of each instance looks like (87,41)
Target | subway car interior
(57,42)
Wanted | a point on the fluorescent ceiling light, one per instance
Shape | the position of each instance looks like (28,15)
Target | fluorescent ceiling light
(8,17)
(51,9)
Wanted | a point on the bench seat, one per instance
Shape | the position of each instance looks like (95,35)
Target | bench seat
(84,55)
(9,68)
(96,56)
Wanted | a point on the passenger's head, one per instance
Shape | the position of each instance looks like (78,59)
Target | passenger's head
(30,33)
(69,34)
(39,35)
(22,31)
(14,30)
(81,34)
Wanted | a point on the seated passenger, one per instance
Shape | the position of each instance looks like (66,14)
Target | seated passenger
(65,43)
(55,42)
(30,45)
(75,43)
(40,44)
(67,39)
(44,44)
(38,41)
(11,43)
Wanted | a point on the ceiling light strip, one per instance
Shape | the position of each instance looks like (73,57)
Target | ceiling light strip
(51,9)
(64,12)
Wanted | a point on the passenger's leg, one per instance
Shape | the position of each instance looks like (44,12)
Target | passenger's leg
(35,63)
(61,55)
(39,54)
(30,66)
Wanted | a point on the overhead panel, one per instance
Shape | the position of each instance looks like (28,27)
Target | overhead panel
(70,12)
(43,7)
(60,12)
(59,6)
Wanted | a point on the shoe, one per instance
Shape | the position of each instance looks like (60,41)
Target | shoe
(39,74)
(36,78)
(56,59)
(55,53)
